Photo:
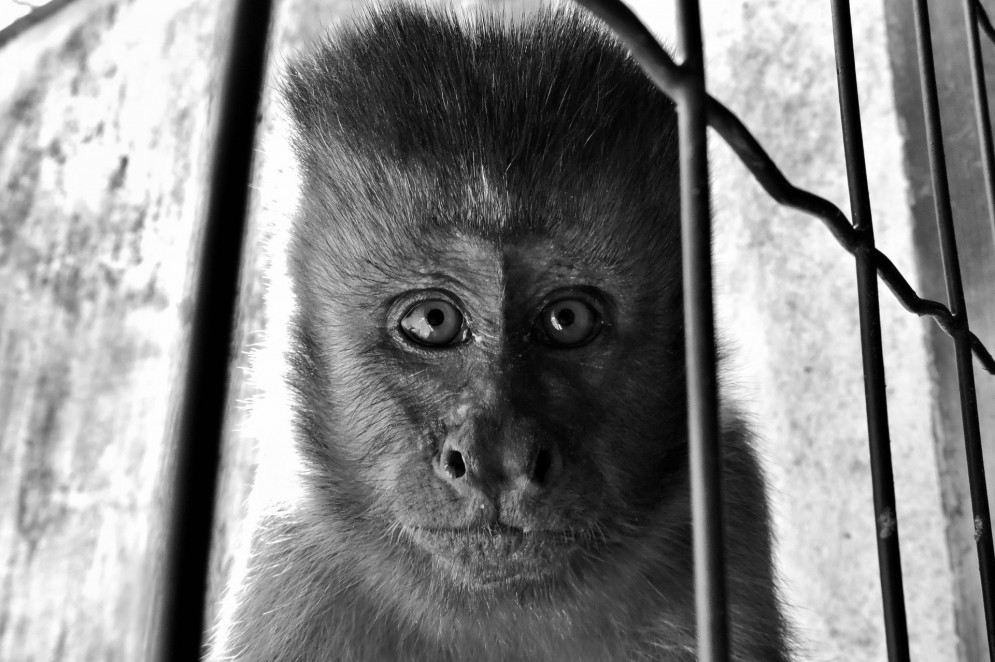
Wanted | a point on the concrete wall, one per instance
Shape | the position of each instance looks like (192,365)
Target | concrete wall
(105,136)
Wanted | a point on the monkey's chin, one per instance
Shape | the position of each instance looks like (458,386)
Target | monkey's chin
(498,558)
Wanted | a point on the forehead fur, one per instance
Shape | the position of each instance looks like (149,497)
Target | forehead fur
(412,116)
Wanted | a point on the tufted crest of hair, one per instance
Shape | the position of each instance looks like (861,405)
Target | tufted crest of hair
(480,125)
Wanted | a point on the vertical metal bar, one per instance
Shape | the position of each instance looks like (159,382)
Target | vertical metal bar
(882,477)
(699,325)
(181,619)
(955,296)
(981,106)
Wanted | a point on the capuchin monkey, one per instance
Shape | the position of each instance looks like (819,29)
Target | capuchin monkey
(483,373)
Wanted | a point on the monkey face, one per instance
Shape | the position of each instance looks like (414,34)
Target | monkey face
(511,488)
(489,353)
(510,408)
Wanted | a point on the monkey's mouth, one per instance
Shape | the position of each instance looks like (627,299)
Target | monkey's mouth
(495,555)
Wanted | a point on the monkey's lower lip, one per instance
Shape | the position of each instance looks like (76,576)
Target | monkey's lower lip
(497,554)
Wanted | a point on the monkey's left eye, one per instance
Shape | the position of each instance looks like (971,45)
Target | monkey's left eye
(435,323)
(569,323)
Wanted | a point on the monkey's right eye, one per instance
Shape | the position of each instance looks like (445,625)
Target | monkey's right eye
(569,322)
(434,323)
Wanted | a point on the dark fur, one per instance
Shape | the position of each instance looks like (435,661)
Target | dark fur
(514,159)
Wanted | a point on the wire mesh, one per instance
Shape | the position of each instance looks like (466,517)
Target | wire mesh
(958,307)
(857,239)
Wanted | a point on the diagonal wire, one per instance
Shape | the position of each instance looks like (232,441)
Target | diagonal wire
(660,67)
(984,21)
(976,18)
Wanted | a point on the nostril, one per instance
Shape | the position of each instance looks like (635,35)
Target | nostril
(543,463)
(453,462)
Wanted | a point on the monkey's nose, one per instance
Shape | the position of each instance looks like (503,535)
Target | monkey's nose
(518,465)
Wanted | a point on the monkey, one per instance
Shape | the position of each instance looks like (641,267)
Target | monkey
(482,368)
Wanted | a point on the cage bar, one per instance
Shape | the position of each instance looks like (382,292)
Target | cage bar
(699,333)
(972,14)
(984,21)
(955,297)
(200,428)
(879,437)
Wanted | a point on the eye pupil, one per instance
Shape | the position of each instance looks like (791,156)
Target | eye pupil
(565,317)
(435,317)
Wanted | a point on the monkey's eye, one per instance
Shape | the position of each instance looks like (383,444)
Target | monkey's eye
(435,323)
(569,323)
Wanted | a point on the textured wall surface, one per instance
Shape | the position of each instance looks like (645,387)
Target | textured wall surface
(104,118)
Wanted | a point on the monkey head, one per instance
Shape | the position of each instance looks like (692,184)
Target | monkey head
(487,350)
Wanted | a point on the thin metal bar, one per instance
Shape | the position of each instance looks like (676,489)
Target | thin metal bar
(955,296)
(35,16)
(984,21)
(982,117)
(882,476)
(181,619)
(699,325)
